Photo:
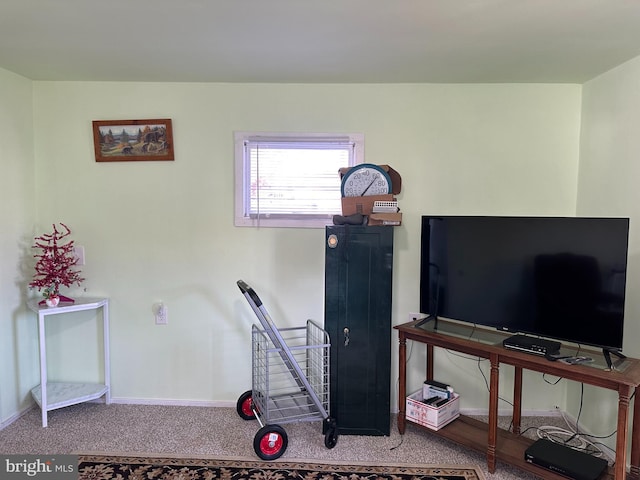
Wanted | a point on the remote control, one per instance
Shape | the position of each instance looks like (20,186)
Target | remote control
(576,360)
(430,400)
(439,403)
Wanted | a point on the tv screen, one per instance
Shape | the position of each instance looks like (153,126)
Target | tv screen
(557,277)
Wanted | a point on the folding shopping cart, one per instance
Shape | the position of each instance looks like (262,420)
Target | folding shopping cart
(290,380)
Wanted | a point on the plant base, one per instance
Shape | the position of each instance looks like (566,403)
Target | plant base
(61,299)
(52,301)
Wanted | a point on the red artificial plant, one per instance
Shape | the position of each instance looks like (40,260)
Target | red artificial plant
(55,262)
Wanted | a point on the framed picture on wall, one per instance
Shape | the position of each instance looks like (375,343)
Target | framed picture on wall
(133,140)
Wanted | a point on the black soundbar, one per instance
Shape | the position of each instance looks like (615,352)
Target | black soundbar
(539,346)
(565,460)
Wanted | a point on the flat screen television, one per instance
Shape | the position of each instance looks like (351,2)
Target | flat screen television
(561,278)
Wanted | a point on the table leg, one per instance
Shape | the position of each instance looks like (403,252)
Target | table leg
(43,368)
(107,362)
(402,383)
(493,413)
(620,467)
(634,473)
(517,400)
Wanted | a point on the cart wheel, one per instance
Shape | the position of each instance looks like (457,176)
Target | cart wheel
(330,431)
(331,438)
(244,406)
(270,442)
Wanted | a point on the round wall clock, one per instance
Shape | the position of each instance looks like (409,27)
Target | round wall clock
(365,179)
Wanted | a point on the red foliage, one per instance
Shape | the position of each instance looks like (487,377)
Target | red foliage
(54,265)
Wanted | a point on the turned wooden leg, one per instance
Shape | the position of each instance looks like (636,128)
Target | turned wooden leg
(493,414)
(634,473)
(620,467)
(402,383)
(517,400)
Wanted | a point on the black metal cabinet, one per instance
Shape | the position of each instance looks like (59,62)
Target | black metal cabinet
(358,287)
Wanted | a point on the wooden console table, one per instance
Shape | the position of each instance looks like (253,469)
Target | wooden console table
(499,444)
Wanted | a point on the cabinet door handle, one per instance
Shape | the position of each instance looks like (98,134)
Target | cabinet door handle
(346,336)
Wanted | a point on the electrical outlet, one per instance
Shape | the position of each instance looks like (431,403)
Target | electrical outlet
(413,316)
(162,315)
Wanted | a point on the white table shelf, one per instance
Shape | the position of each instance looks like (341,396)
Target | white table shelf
(52,395)
(61,394)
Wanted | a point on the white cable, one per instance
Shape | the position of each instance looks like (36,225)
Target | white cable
(562,436)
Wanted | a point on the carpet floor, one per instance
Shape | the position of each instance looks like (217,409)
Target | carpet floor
(219,432)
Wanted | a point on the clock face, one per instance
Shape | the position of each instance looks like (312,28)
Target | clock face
(364,180)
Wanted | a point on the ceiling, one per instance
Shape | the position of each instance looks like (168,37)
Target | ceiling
(326,41)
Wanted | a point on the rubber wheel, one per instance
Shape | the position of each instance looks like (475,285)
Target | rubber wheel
(244,406)
(270,442)
(330,431)
(331,437)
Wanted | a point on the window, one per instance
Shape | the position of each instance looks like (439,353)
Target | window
(291,180)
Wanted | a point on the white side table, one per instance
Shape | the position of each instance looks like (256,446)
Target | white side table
(53,395)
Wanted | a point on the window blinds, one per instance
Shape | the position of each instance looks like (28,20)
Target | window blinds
(295,177)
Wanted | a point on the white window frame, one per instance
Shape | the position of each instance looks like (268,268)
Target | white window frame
(242,178)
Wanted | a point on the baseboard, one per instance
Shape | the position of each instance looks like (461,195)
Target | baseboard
(16,416)
(170,402)
(483,412)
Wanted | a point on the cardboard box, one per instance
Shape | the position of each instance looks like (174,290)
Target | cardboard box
(429,416)
(392,219)
(364,205)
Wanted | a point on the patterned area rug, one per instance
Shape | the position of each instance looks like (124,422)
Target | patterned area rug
(108,467)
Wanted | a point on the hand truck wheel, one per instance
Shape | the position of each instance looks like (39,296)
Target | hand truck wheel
(270,442)
(330,431)
(244,407)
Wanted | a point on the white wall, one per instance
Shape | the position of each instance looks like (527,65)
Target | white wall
(608,186)
(18,333)
(164,230)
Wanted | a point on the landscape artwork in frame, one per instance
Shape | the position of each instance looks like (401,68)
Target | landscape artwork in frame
(133,140)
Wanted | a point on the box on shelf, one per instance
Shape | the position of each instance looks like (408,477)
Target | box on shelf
(393,219)
(364,205)
(429,416)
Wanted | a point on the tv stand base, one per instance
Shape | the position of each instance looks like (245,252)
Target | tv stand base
(607,356)
(428,319)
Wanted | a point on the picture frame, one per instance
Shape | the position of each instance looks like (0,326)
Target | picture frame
(133,140)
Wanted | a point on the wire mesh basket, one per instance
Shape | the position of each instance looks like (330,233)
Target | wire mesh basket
(279,394)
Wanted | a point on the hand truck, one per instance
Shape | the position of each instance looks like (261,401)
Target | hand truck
(290,380)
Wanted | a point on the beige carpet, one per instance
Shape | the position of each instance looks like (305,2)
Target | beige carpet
(220,432)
